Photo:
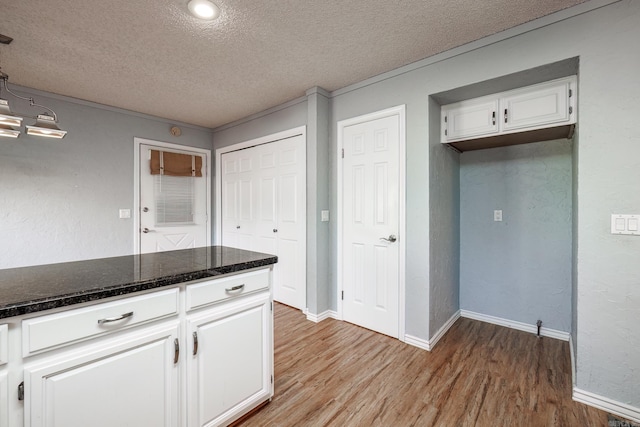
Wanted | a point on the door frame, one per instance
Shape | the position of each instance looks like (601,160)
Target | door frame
(136,183)
(400,112)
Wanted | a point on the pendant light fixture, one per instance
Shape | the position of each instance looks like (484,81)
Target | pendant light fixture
(45,125)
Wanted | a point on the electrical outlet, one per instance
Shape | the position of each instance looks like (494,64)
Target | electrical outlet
(125,213)
(497,215)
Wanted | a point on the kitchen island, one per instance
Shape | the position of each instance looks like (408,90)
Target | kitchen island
(180,338)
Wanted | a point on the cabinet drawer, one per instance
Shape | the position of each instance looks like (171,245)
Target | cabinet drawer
(4,344)
(204,293)
(55,330)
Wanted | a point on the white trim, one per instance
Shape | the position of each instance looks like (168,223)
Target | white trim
(477,44)
(301,130)
(513,324)
(317,318)
(443,330)
(417,342)
(261,114)
(136,183)
(572,356)
(624,410)
(399,111)
(430,344)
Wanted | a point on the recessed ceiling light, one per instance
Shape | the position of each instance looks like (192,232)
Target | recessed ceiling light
(203,9)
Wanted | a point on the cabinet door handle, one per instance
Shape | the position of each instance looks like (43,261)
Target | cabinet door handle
(176,351)
(493,118)
(505,115)
(235,288)
(195,343)
(115,319)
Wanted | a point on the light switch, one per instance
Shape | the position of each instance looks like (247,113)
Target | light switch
(125,213)
(497,215)
(625,224)
(324,216)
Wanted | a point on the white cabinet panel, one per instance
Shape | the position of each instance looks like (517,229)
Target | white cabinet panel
(230,361)
(544,105)
(4,344)
(126,382)
(472,118)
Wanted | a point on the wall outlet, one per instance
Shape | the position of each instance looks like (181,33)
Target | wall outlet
(324,216)
(125,213)
(497,215)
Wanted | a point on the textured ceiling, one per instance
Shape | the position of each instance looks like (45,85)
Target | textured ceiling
(151,56)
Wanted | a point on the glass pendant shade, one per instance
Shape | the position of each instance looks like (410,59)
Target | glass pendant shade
(8,131)
(6,116)
(46,126)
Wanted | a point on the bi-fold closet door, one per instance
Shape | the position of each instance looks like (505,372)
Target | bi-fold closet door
(264,210)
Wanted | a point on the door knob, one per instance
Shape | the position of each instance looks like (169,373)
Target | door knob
(275,230)
(392,238)
(146,230)
(145,209)
(237,227)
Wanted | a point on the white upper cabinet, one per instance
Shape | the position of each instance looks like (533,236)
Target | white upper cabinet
(534,113)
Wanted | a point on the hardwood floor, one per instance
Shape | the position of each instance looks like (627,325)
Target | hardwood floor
(337,374)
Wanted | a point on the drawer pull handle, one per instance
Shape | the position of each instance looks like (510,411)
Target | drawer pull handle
(195,343)
(115,319)
(235,288)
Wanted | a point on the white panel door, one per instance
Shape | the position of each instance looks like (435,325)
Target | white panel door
(370,224)
(278,210)
(238,204)
(290,272)
(173,210)
(131,382)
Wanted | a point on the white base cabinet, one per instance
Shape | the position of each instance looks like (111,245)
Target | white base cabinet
(196,354)
(127,382)
(230,365)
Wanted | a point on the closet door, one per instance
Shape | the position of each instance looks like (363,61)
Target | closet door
(264,209)
(238,204)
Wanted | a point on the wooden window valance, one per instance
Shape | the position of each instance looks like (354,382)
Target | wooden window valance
(175,164)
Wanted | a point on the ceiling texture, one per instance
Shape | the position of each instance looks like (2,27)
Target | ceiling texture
(153,57)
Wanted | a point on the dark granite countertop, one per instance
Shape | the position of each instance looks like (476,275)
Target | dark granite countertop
(43,287)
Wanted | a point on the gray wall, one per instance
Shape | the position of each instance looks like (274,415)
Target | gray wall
(607,167)
(444,226)
(59,199)
(520,268)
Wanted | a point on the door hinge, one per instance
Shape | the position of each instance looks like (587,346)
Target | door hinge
(445,132)
(271,379)
(271,305)
(343,153)
(570,110)
(21,391)
(570,93)
(342,295)
(445,119)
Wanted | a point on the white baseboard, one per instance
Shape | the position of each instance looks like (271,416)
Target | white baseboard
(622,409)
(316,318)
(573,362)
(417,342)
(429,344)
(545,332)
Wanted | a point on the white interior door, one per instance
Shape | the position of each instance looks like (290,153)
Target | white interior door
(273,191)
(173,209)
(370,224)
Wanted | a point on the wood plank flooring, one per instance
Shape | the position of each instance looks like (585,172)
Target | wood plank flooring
(337,374)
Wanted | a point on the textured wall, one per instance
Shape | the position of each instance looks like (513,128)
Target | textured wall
(444,226)
(520,268)
(59,199)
